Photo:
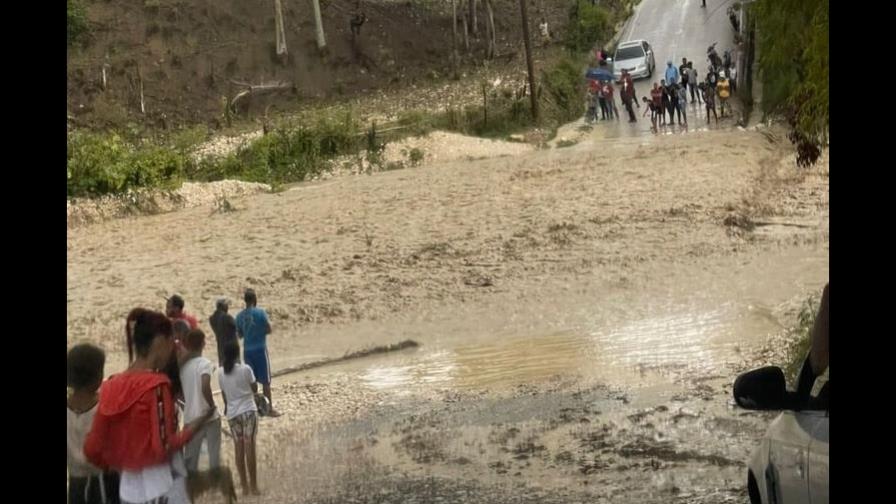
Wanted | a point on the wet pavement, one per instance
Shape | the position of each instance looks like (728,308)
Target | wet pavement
(675,29)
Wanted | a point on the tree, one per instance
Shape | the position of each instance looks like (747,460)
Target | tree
(319,26)
(279,31)
(474,25)
(490,30)
(793,41)
(455,58)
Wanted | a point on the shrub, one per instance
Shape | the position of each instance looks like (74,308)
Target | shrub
(587,24)
(77,27)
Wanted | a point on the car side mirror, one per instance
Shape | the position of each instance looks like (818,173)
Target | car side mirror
(762,389)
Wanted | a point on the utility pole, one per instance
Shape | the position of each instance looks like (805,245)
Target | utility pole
(531,69)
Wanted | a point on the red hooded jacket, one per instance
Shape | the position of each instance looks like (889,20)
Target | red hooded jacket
(135,425)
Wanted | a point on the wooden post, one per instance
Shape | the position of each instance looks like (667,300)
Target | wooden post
(529,66)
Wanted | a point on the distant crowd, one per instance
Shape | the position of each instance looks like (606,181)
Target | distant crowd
(669,97)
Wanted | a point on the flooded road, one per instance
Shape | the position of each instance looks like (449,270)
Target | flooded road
(667,317)
(675,29)
(622,395)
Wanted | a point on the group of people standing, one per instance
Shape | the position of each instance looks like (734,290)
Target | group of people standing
(601,94)
(670,95)
(125,443)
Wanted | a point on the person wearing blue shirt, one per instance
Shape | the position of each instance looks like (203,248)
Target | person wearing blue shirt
(253,327)
(671,73)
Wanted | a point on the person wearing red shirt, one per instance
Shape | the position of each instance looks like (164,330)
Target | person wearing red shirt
(627,93)
(656,97)
(134,430)
(175,310)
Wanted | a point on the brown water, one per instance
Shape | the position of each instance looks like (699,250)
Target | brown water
(662,319)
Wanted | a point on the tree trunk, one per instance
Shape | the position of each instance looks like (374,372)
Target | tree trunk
(319,26)
(474,25)
(529,65)
(490,30)
(466,34)
(279,31)
(454,56)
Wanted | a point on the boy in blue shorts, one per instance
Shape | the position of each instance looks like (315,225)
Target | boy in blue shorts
(253,327)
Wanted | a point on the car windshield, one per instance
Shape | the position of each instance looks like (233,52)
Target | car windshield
(627,53)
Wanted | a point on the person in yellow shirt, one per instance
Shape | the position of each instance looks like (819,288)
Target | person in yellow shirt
(724,90)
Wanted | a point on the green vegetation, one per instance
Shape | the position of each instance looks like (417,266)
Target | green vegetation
(101,163)
(77,27)
(793,43)
(588,24)
(110,163)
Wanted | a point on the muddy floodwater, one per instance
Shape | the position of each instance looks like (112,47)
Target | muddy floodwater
(581,314)
(621,395)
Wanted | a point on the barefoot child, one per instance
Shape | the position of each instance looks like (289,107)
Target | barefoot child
(238,387)
(87,483)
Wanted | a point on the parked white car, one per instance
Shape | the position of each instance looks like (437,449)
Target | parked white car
(790,466)
(636,56)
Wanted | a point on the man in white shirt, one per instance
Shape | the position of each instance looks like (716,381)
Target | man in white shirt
(196,377)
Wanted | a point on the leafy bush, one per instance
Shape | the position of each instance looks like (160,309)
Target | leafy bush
(587,25)
(105,163)
(564,84)
(794,61)
(77,26)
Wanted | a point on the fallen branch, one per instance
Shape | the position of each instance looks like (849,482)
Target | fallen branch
(261,89)
(352,355)
(789,224)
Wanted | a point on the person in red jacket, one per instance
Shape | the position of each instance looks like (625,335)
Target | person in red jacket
(134,430)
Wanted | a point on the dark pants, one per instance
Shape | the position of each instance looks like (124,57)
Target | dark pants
(91,490)
(695,91)
(611,108)
(671,107)
(662,112)
(603,107)
(631,112)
